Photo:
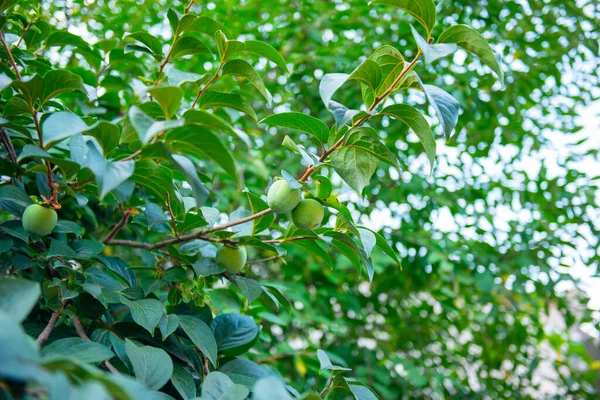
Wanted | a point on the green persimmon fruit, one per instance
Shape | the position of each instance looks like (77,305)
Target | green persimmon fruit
(232,259)
(39,220)
(282,198)
(308,214)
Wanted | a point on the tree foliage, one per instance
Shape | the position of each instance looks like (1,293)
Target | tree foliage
(155,131)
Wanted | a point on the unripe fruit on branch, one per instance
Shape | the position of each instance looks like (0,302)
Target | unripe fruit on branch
(232,259)
(282,198)
(308,214)
(39,220)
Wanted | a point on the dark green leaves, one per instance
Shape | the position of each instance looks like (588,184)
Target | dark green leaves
(472,41)
(149,41)
(234,333)
(152,366)
(201,335)
(415,120)
(109,175)
(422,10)
(301,122)
(59,81)
(169,98)
(218,386)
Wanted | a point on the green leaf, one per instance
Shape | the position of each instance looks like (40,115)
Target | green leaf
(79,349)
(422,10)
(14,200)
(152,366)
(368,73)
(183,382)
(251,288)
(107,135)
(391,63)
(415,120)
(326,364)
(472,41)
(87,248)
(18,352)
(59,81)
(312,247)
(202,143)
(109,175)
(146,313)
(167,325)
(267,51)
(169,98)
(188,46)
(300,122)
(359,390)
(433,52)
(201,335)
(368,240)
(190,23)
(244,70)
(177,77)
(384,246)
(148,40)
(209,120)
(158,179)
(6,4)
(227,48)
(18,297)
(365,137)
(147,127)
(256,205)
(234,333)
(212,99)
(218,386)
(61,125)
(187,167)
(446,107)
(31,87)
(244,372)
(269,388)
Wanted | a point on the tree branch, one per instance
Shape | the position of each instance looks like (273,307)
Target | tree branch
(41,339)
(187,9)
(10,56)
(117,227)
(82,334)
(211,80)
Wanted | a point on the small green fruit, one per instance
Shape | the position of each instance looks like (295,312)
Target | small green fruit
(308,214)
(282,198)
(39,220)
(232,259)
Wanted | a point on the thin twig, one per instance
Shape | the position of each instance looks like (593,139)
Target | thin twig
(205,367)
(81,333)
(117,227)
(265,259)
(10,56)
(329,382)
(187,9)
(10,149)
(41,339)
(25,32)
(211,80)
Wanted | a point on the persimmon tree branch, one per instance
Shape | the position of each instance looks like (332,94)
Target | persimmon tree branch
(81,333)
(10,56)
(41,339)
(211,80)
(124,218)
(202,235)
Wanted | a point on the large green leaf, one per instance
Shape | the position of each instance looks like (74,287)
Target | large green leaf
(422,10)
(433,52)
(183,382)
(146,127)
(187,46)
(301,122)
(146,313)
(18,297)
(201,143)
(368,73)
(60,81)
(191,23)
(417,122)
(472,41)
(148,40)
(267,51)
(213,99)
(234,333)
(109,175)
(169,98)
(61,125)
(77,348)
(218,386)
(152,366)
(227,48)
(201,335)
(244,70)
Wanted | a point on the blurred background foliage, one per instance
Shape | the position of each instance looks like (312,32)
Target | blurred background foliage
(487,242)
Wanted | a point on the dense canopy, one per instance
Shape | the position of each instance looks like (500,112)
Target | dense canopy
(442,141)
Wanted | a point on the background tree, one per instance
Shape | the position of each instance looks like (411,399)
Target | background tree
(96,118)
